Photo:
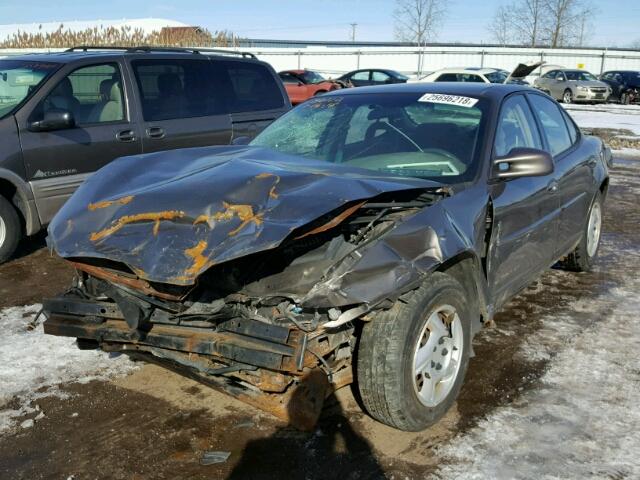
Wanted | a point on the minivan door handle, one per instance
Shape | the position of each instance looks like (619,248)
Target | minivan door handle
(155,132)
(126,136)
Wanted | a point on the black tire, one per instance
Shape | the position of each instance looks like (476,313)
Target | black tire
(567,96)
(580,260)
(386,353)
(10,230)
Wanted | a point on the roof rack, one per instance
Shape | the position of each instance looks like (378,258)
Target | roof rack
(149,49)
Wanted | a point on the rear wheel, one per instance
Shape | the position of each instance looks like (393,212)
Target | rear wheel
(10,230)
(582,258)
(412,358)
(567,96)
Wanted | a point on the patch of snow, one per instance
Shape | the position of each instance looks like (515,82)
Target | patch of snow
(34,364)
(583,422)
(617,117)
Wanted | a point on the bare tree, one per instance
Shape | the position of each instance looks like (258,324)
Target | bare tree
(501,25)
(418,20)
(544,22)
(528,20)
(568,22)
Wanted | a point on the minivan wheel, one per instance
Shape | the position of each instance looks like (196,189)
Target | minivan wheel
(583,257)
(412,358)
(624,99)
(10,230)
(567,96)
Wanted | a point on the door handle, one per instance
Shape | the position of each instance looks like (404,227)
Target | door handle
(155,132)
(126,136)
(553,186)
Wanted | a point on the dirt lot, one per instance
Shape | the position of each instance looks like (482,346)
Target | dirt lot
(154,424)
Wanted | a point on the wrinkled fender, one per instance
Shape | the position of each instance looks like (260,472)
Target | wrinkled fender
(398,261)
(24,201)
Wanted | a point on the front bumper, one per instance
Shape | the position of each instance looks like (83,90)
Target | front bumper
(592,95)
(268,366)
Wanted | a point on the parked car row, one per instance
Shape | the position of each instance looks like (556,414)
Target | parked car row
(563,84)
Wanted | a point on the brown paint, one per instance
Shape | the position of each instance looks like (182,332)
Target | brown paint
(138,218)
(109,203)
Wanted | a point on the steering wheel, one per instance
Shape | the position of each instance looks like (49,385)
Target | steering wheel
(444,153)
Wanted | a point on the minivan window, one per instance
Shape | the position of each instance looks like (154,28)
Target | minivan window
(248,86)
(177,88)
(19,79)
(553,124)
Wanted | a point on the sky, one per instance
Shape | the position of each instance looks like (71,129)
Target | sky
(466,21)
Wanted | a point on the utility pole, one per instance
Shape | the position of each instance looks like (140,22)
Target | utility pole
(353,31)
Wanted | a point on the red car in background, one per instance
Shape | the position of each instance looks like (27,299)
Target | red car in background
(301,85)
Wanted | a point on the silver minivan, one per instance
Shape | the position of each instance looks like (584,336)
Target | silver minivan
(571,86)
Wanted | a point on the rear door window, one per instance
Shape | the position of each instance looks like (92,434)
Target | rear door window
(553,125)
(171,89)
(516,127)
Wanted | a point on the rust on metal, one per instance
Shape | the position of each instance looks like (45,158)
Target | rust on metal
(244,213)
(108,203)
(136,283)
(137,218)
(200,261)
(334,222)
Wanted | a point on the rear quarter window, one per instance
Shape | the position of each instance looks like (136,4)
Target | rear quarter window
(251,86)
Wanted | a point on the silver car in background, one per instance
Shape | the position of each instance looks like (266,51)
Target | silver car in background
(571,86)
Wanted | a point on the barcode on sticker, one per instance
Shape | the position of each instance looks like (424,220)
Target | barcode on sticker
(448,99)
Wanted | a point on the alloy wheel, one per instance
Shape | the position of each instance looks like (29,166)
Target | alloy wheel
(438,355)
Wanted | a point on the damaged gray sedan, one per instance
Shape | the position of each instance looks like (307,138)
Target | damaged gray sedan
(364,238)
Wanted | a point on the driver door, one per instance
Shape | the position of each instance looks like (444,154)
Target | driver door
(57,162)
(526,209)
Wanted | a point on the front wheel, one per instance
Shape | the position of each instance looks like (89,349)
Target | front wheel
(412,359)
(567,96)
(10,230)
(583,257)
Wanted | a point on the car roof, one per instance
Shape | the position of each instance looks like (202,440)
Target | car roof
(69,56)
(465,70)
(494,91)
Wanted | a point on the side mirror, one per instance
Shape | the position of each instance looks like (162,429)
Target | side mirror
(244,140)
(54,120)
(523,162)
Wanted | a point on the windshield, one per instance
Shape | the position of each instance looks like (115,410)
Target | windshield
(497,77)
(312,77)
(18,79)
(404,134)
(580,76)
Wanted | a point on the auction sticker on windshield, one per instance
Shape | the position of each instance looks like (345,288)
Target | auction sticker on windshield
(448,99)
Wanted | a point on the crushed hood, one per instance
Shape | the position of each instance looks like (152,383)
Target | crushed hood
(170,216)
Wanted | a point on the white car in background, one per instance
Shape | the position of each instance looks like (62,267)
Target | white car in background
(482,75)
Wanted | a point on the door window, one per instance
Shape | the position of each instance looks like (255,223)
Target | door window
(93,94)
(289,79)
(381,77)
(554,126)
(361,76)
(171,89)
(470,77)
(516,127)
(447,77)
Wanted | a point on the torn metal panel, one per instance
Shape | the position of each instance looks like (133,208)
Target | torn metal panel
(200,207)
